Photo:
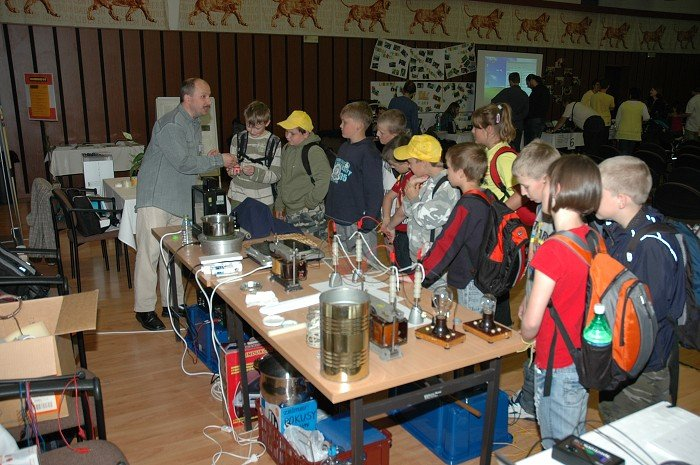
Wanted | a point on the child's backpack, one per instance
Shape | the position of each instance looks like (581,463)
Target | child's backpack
(688,325)
(628,310)
(273,143)
(503,252)
(527,211)
(330,156)
(12,265)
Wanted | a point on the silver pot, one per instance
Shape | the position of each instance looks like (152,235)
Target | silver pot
(280,383)
(217,225)
(220,245)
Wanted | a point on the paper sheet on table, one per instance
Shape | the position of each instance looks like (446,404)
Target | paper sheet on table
(288,305)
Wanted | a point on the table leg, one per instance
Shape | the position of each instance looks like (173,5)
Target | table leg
(173,296)
(490,414)
(235,326)
(356,431)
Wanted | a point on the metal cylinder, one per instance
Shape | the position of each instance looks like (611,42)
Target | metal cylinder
(344,334)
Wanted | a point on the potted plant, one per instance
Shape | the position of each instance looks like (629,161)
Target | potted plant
(135,160)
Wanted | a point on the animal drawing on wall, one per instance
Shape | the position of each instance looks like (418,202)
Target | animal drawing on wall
(537,25)
(374,13)
(227,7)
(437,17)
(687,37)
(133,5)
(489,22)
(578,29)
(28,7)
(652,38)
(304,8)
(616,33)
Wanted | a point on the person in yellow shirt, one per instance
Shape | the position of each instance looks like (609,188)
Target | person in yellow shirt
(602,103)
(629,122)
(595,87)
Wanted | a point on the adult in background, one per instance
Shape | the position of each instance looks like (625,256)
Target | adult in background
(586,119)
(407,106)
(447,120)
(602,103)
(629,122)
(519,103)
(538,106)
(595,87)
(692,112)
(169,170)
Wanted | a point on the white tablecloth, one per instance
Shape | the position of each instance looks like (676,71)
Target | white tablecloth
(460,137)
(125,198)
(563,140)
(663,432)
(67,160)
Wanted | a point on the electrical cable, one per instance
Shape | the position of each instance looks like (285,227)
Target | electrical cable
(623,447)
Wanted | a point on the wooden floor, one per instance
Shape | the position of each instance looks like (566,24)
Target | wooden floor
(155,413)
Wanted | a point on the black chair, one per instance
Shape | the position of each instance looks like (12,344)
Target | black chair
(678,201)
(88,416)
(656,148)
(607,151)
(657,165)
(71,216)
(686,175)
(687,160)
(689,149)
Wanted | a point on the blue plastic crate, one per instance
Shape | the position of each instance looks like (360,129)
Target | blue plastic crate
(198,336)
(451,432)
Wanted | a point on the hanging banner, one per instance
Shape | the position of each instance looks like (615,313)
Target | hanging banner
(41,98)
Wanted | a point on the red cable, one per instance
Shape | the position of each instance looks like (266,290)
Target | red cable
(81,432)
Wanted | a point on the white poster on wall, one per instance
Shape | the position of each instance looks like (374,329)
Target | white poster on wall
(459,60)
(427,64)
(390,58)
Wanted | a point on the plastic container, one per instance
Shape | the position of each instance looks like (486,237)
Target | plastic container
(283,453)
(451,432)
(598,332)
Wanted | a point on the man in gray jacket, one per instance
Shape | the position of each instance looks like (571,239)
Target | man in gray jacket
(163,195)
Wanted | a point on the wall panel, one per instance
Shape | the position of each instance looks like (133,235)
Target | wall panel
(107,80)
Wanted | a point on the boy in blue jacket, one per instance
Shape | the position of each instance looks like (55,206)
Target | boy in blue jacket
(355,192)
(657,261)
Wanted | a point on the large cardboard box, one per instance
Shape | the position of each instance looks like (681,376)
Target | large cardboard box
(46,355)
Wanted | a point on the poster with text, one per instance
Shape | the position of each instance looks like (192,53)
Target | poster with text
(384,91)
(427,64)
(429,96)
(41,97)
(390,58)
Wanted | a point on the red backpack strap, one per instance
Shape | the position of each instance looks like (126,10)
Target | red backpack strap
(493,169)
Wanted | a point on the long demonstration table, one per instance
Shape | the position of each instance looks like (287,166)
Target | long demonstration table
(420,359)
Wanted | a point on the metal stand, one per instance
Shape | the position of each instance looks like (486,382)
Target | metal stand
(10,190)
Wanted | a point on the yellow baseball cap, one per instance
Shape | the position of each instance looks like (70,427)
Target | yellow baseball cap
(422,147)
(298,119)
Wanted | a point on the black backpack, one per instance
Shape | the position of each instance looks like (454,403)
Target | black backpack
(88,222)
(273,143)
(503,251)
(12,265)
(330,156)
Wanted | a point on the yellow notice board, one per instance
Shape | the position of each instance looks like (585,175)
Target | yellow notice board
(41,98)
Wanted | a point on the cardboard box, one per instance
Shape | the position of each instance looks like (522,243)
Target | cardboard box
(302,415)
(231,379)
(47,355)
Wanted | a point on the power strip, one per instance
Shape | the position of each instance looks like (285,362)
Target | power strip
(573,450)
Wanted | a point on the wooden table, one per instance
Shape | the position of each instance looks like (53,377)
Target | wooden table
(420,359)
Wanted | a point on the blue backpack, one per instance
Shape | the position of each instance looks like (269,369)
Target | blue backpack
(688,325)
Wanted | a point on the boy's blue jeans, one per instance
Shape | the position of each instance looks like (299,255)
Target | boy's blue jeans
(563,412)
(470,297)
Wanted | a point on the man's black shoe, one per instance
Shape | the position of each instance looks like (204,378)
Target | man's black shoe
(180,310)
(150,321)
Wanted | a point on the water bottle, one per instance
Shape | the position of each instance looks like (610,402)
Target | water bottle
(598,332)
(186,230)
(437,121)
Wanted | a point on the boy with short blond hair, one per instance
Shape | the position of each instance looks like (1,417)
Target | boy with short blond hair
(355,191)
(258,155)
(390,124)
(657,260)
(530,169)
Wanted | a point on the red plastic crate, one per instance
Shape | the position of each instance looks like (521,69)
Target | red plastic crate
(283,453)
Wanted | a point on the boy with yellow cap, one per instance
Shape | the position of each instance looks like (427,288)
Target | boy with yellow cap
(428,198)
(300,195)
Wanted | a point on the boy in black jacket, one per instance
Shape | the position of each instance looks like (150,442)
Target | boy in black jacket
(355,192)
